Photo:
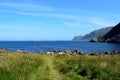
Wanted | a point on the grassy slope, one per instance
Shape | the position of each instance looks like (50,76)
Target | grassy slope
(21,66)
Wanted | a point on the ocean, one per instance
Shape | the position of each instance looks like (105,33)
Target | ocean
(47,46)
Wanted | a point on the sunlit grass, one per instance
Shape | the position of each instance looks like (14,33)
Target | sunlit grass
(31,66)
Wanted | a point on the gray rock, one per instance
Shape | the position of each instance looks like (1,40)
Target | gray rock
(55,51)
(49,53)
(20,51)
(81,53)
(93,54)
(107,53)
(76,51)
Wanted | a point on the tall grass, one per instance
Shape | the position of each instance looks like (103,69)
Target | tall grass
(102,67)
(31,66)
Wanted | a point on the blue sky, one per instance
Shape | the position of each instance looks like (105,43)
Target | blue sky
(55,19)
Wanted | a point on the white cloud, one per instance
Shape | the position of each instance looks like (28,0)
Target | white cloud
(72,24)
(78,19)
(34,10)
(47,14)
(100,23)
(31,9)
(25,6)
(19,27)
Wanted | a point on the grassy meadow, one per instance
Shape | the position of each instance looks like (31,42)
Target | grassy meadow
(32,66)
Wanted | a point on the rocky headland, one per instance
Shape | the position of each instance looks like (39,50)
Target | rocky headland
(113,36)
(94,34)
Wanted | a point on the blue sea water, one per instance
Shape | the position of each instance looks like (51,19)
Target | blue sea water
(45,46)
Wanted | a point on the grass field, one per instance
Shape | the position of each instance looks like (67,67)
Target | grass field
(32,66)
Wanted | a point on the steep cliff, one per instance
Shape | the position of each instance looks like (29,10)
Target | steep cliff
(113,36)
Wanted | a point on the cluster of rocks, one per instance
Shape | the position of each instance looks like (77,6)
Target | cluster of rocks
(77,52)
(110,53)
(106,53)
(20,51)
(69,52)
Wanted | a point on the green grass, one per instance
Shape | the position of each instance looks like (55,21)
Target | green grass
(31,66)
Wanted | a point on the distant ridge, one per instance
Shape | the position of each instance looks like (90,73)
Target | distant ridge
(93,34)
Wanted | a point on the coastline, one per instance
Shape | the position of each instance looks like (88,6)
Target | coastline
(61,52)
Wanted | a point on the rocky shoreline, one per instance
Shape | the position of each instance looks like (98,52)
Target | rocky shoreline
(69,52)
(77,52)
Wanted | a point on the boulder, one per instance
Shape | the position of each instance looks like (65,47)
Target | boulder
(107,53)
(81,53)
(93,54)
(49,53)
(20,51)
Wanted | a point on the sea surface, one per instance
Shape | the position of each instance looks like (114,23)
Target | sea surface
(46,46)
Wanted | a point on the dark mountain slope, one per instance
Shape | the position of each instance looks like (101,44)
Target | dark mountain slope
(113,35)
(115,31)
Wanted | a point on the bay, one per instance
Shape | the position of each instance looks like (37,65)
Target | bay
(45,46)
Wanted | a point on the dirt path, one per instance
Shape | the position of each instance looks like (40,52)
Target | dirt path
(46,71)
(53,74)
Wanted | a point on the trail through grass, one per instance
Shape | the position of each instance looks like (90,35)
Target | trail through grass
(53,73)
(31,66)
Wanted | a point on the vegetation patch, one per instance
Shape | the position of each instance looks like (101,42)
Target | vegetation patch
(31,66)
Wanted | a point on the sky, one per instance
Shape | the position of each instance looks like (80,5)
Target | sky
(26,20)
